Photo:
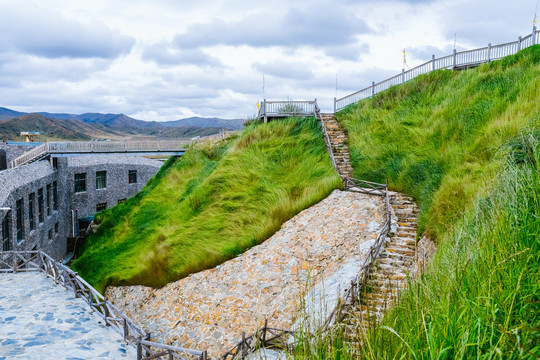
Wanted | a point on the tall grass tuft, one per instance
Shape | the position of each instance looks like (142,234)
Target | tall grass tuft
(211,205)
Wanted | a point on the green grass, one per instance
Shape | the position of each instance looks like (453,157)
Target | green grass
(210,205)
(466,146)
(435,137)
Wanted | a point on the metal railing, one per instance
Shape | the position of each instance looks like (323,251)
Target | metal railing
(113,147)
(461,59)
(275,109)
(23,261)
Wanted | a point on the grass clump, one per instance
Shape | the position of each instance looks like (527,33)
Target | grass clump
(435,137)
(466,145)
(210,205)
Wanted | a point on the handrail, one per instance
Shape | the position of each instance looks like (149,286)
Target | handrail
(326,137)
(351,294)
(22,261)
(36,152)
(458,59)
(269,109)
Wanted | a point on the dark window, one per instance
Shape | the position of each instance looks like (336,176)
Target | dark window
(6,243)
(20,220)
(80,182)
(56,228)
(40,204)
(50,234)
(55,195)
(55,163)
(101,206)
(31,204)
(48,200)
(101,179)
(121,201)
(132,177)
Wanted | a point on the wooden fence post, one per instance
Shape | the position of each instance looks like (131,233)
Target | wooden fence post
(519,43)
(454,58)
(489,52)
(372,88)
(139,349)
(432,62)
(126,330)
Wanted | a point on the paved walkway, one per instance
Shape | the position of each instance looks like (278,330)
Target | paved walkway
(211,309)
(42,320)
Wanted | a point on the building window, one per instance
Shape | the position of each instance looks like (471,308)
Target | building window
(31,204)
(101,206)
(55,195)
(55,163)
(121,201)
(6,243)
(20,219)
(48,200)
(56,228)
(132,177)
(50,234)
(101,179)
(80,182)
(40,204)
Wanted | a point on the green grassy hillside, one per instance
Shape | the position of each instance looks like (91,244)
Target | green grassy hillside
(210,205)
(466,146)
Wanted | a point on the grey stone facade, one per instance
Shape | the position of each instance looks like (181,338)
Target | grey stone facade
(55,213)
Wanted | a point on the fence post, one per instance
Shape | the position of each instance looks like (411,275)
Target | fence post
(489,52)
(402,75)
(125,330)
(139,349)
(432,62)
(372,88)
(534,35)
(454,58)
(519,43)
(106,312)
(204,355)
(264,111)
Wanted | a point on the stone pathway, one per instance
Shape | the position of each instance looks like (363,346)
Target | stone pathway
(42,320)
(338,141)
(211,309)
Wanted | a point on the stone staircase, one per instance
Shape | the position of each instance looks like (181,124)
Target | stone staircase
(338,141)
(389,273)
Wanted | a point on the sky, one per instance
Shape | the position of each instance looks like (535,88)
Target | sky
(170,59)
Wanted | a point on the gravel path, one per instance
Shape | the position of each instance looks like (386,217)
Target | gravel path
(42,320)
(211,309)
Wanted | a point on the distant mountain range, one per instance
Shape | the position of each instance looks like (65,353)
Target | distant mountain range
(56,126)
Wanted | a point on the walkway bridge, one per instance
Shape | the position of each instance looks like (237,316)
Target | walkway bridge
(174,147)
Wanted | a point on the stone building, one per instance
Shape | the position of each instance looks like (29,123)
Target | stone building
(41,203)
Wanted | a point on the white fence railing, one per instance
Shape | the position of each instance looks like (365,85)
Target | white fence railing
(270,109)
(459,59)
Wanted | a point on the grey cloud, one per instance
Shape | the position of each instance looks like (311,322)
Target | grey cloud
(165,54)
(26,30)
(310,26)
(285,70)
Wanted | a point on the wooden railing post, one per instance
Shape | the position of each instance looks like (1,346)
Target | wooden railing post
(204,355)
(432,62)
(264,111)
(519,43)
(126,330)
(139,349)
(489,53)
(454,58)
(372,88)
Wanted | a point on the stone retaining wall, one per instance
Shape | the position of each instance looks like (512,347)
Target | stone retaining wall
(211,309)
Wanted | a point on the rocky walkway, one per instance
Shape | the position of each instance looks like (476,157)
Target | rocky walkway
(211,309)
(42,320)
(338,141)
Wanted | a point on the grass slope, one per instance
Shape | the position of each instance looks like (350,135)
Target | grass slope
(466,145)
(210,205)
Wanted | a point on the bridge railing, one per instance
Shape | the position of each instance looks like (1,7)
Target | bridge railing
(272,109)
(29,155)
(117,146)
(459,59)
(23,261)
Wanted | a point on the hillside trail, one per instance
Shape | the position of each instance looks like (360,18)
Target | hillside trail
(397,260)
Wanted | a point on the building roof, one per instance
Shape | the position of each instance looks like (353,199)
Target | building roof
(12,179)
(89,160)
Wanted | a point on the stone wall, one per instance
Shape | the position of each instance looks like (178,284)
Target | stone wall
(326,243)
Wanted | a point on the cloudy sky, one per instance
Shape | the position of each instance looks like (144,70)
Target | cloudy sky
(170,59)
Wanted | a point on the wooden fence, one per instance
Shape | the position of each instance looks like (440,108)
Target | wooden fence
(351,294)
(277,109)
(456,60)
(22,261)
